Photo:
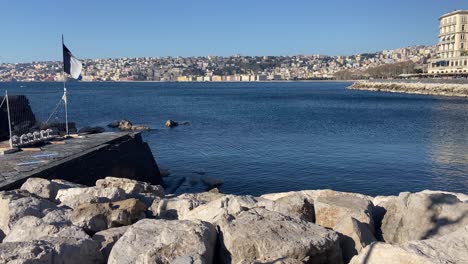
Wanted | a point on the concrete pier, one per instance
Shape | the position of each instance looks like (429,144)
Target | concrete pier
(83,160)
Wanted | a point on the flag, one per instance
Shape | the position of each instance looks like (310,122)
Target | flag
(71,64)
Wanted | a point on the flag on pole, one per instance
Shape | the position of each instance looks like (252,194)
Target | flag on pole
(71,64)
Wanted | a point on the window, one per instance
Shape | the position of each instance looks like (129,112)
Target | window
(462,45)
(462,36)
(466,63)
(463,27)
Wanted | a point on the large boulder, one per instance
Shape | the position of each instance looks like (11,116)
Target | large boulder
(17,204)
(163,241)
(72,250)
(130,186)
(177,207)
(330,209)
(45,188)
(203,197)
(40,187)
(295,204)
(32,252)
(143,191)
(55,250)
(354,236)
(217,209)
(96,217)
(173,208)
(107,239)
(416,216)
(450,248)
(73,197)
(31,228)
(262,235)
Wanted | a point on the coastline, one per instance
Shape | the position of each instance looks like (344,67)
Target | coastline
(438,89)
(120,220)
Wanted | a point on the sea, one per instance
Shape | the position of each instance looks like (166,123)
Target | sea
(265,137)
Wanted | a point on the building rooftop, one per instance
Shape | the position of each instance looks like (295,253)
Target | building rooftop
(456,12)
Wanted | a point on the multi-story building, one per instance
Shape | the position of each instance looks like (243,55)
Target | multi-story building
(452,49)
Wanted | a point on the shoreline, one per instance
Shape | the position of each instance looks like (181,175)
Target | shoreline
(119,220)
(437,89)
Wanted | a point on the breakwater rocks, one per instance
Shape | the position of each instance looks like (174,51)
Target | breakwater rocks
(442,89)
(125,221)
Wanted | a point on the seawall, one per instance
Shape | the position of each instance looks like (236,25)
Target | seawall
(83,160)
(440,89)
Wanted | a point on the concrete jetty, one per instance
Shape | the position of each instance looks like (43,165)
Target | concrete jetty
(83,160)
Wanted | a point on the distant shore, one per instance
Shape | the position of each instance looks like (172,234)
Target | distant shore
(439,89)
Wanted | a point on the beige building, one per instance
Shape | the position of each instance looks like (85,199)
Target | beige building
(452,49)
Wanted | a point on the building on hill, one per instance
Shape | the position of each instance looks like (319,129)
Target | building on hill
(452,49)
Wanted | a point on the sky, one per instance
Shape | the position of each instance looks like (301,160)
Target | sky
(30,30)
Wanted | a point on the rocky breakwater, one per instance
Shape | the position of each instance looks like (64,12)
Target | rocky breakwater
(442,89)
(126,221)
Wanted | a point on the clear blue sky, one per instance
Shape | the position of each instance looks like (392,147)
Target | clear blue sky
(30,30)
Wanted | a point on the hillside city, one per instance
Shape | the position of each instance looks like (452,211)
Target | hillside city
(218,69)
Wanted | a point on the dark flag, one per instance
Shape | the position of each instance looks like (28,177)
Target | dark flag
(71,64)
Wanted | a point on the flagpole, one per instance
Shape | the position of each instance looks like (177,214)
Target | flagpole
(65,101)
(9,118)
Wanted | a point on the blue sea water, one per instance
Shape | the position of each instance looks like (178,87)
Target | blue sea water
(273,137)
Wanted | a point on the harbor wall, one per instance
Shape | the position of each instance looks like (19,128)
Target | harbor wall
(438,88)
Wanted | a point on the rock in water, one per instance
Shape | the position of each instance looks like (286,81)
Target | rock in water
(416,216)
(261,235)
(162,241)
(126,125)
(91,130)
(171,123)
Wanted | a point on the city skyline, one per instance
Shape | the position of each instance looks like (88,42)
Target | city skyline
(161,29)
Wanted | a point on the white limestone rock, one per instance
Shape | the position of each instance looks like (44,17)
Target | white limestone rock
(72,250)
(31,228)
(45,188)
(173,208)
(450,248)
(164,241)
(107,239)
(294,204)
(130,186)
(100,216)
(18,203)
(416,216)
(330,209)
(261,235)
(32,252)
(217,209)
(354,236)
(53,250)
(73,197)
